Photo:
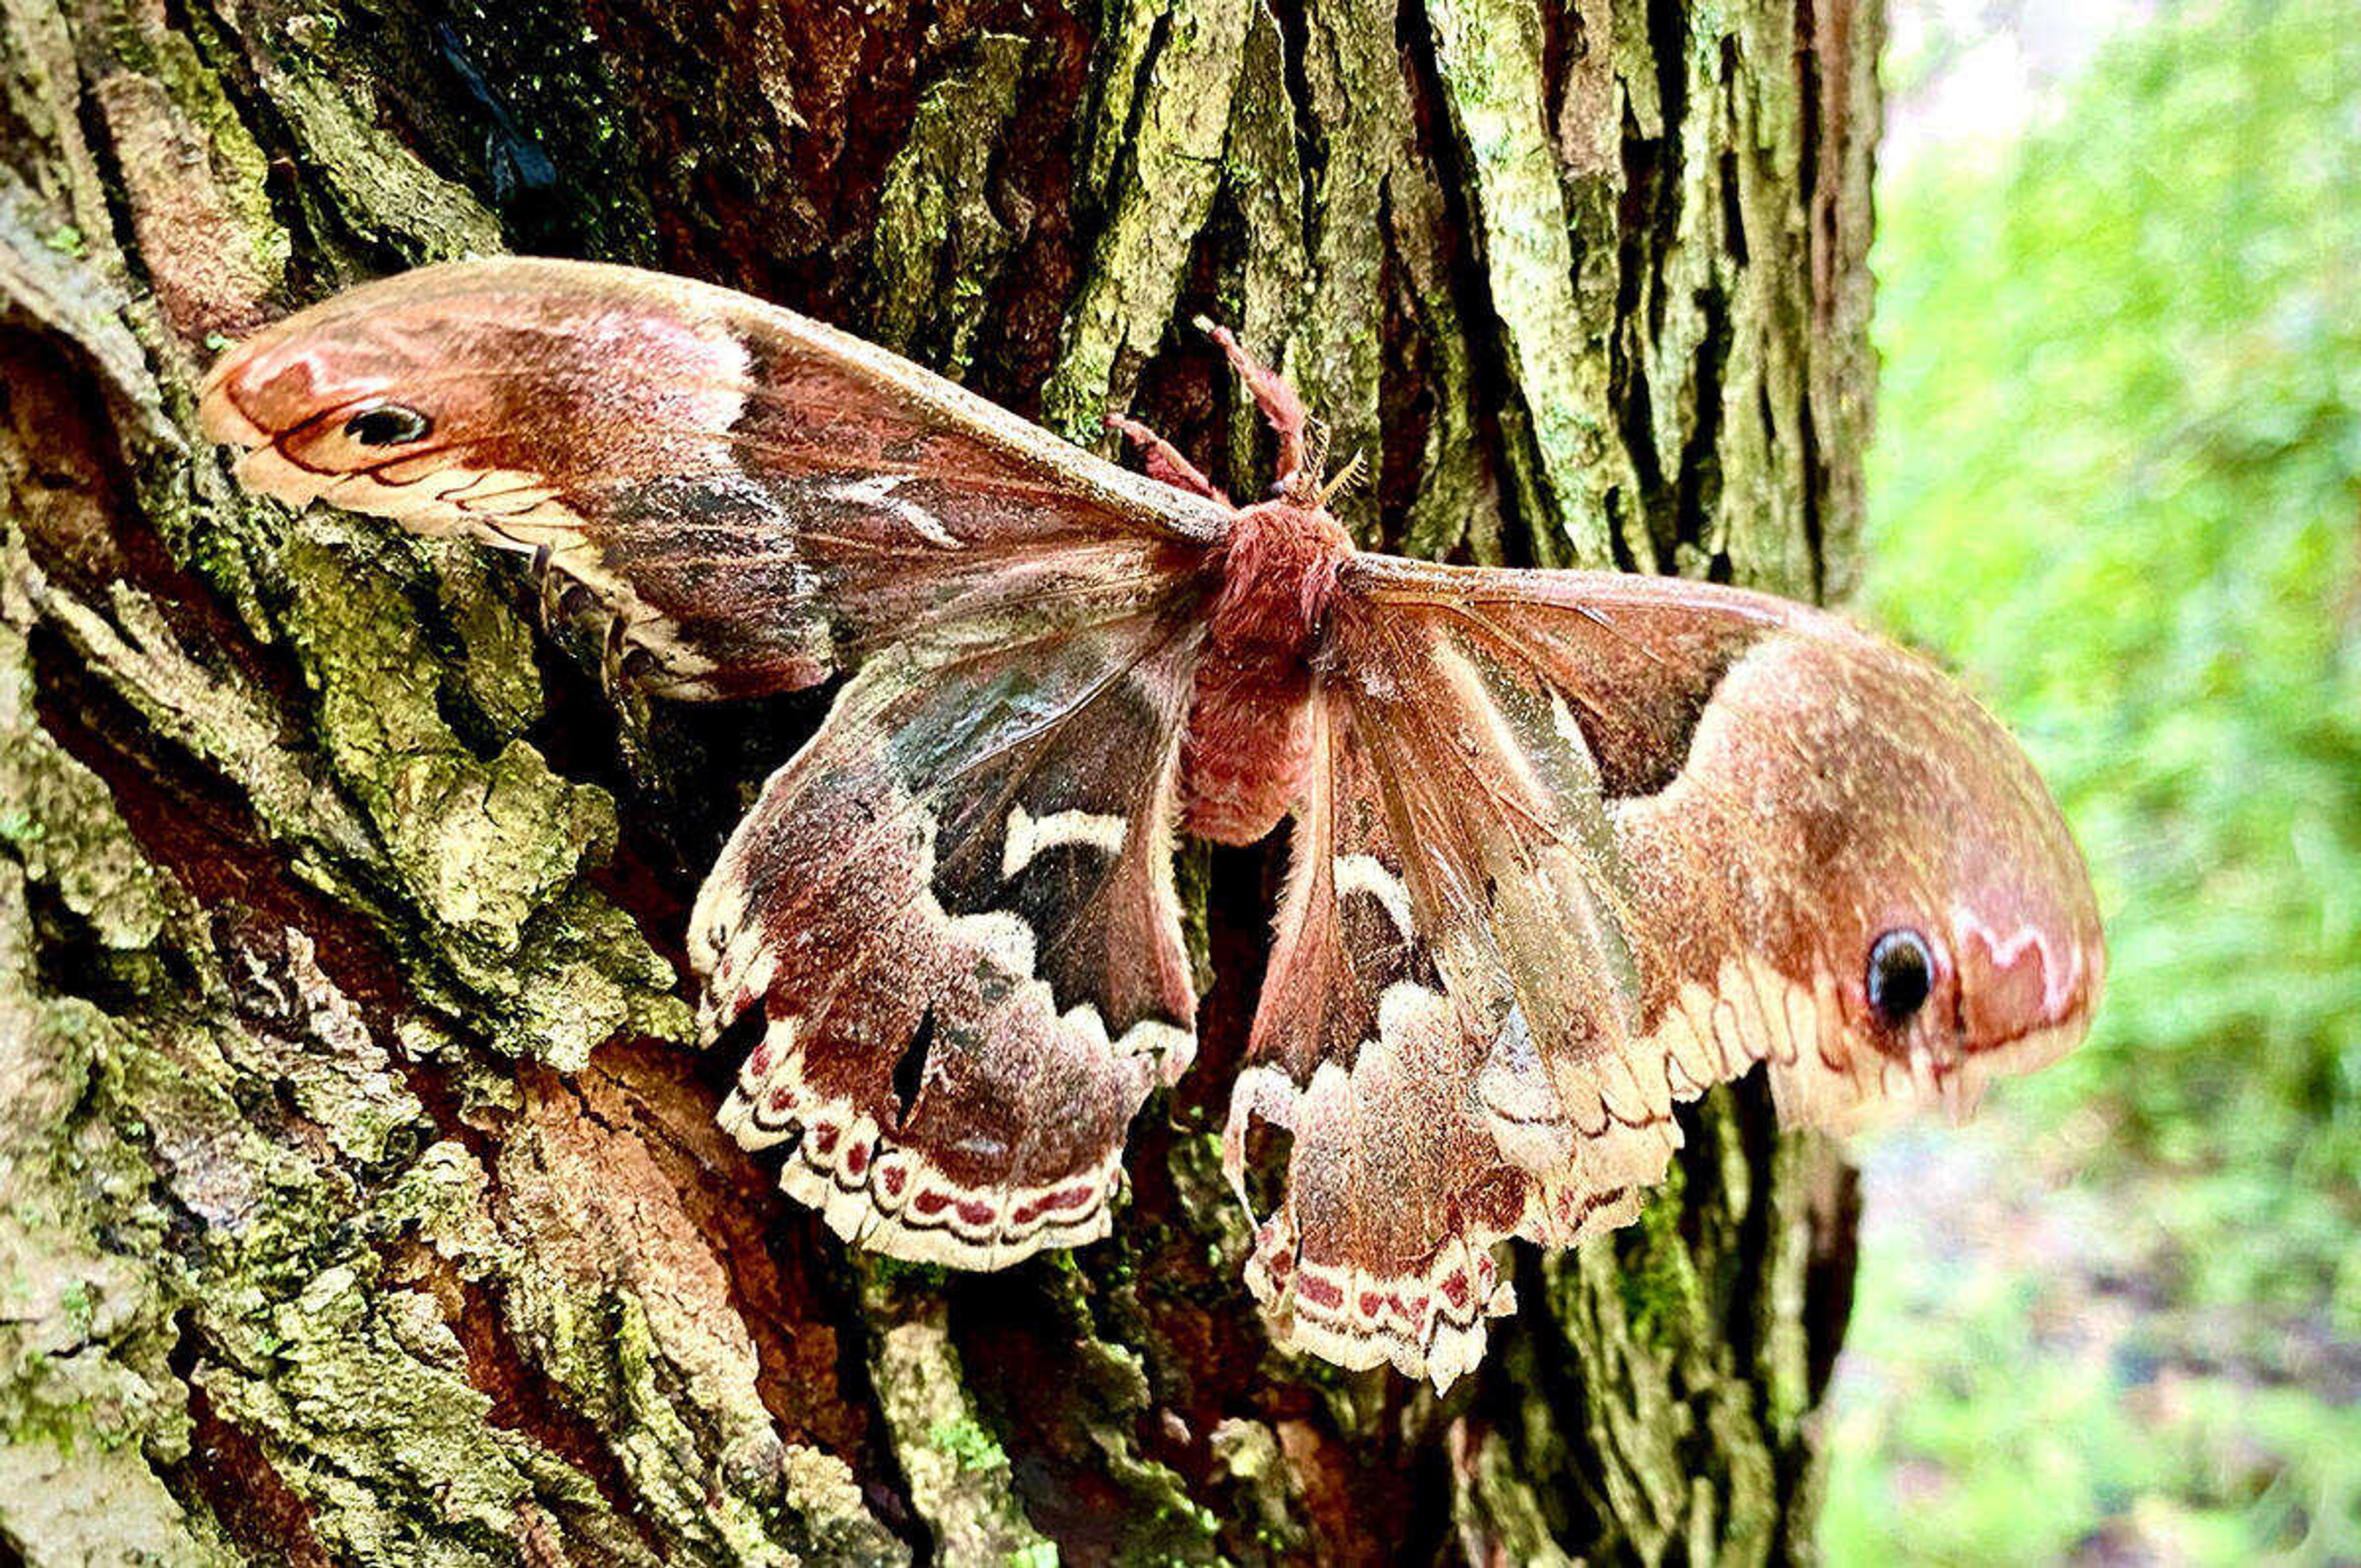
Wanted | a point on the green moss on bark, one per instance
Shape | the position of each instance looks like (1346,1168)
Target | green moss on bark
(89,1404)
(1173,105)
(957,1472)
(1558,428)
(940,242)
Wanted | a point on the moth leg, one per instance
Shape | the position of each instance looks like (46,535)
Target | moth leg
(546,578)
(563,596)
(1281,409)
(611,651)
(1164,459)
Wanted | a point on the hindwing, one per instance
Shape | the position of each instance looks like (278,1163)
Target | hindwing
(951,922)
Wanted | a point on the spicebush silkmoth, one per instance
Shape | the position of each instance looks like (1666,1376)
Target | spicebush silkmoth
(1567,848)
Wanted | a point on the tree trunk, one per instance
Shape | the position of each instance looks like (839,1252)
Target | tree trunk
(360,1196)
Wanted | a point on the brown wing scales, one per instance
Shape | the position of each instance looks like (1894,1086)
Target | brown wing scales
(1388,1187)
(953,910)
(1646,835)
(1438,1028)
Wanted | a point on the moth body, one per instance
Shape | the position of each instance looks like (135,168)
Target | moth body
(1250,735)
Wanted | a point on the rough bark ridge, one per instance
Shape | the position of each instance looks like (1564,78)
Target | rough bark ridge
(359,1200)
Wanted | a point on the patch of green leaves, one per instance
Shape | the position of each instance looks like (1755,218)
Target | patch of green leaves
(2117,482)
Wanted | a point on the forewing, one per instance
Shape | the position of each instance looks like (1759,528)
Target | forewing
(1782,790)
(757,499)
(950,928)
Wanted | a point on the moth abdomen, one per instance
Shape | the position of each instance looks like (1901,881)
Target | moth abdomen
(1249,729)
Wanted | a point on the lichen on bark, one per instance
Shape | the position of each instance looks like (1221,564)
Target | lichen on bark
(1171,73)
(89,1402)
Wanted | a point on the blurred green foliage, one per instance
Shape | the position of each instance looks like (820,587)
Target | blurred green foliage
(2118,483)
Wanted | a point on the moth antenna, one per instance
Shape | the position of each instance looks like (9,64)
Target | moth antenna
(1316,436)
(1350,475)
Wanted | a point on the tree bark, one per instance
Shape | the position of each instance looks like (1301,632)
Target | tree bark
(360,1196)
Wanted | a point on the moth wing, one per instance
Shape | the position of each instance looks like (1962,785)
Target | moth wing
(1576,847)
(757,499)
(1781,792)
(1376,1208)
(1449,904)
(950,923)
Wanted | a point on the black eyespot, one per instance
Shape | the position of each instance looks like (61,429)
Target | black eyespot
(389,424)
(1900,974)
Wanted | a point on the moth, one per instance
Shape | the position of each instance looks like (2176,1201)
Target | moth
(1567,848)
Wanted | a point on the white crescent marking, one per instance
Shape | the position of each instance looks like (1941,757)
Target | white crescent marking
(1366,873)
(2057,979)
(1028,835)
